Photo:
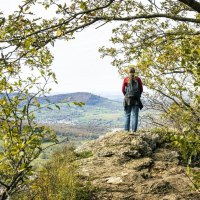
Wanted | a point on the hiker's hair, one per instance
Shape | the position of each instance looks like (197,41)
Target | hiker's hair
(131,75)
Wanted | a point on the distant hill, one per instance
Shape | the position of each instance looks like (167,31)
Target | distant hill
(97,111)
(98,115)
(87,98)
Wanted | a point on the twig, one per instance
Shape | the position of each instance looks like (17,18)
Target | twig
(66,139)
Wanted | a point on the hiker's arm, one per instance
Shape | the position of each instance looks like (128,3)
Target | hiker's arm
(123,87)
(141,86)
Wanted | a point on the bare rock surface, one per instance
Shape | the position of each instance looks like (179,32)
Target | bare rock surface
(133,167)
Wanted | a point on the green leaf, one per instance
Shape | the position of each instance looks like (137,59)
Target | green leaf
(83,5)
(80,104)
(59,32)
(27,44)
(24,110)
(57,106)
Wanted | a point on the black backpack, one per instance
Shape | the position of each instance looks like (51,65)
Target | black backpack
(133,90)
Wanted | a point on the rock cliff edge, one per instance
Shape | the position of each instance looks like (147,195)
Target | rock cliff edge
(135,167)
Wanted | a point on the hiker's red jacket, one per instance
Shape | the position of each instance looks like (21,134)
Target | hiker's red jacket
(125,84)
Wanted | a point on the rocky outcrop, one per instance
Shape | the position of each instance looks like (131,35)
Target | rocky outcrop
(134,167)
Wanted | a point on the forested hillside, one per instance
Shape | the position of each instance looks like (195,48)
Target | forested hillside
(92,111)
(87,98)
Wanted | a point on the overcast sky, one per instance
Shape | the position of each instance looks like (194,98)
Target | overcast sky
(77,63)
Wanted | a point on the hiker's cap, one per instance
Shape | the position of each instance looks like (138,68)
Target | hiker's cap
(131,70)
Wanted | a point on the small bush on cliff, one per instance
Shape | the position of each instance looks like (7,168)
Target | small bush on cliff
(187,143)
(58,179)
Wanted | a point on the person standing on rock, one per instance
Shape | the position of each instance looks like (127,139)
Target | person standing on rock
(132,89)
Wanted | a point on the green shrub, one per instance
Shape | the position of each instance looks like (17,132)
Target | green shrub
(84,154)
(59,179)
(187,143)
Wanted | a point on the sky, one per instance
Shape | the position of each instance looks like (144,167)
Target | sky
(77,63)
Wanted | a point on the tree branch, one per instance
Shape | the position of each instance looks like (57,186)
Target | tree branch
(192,4)
(63,23)
(5,185)
(156,15)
